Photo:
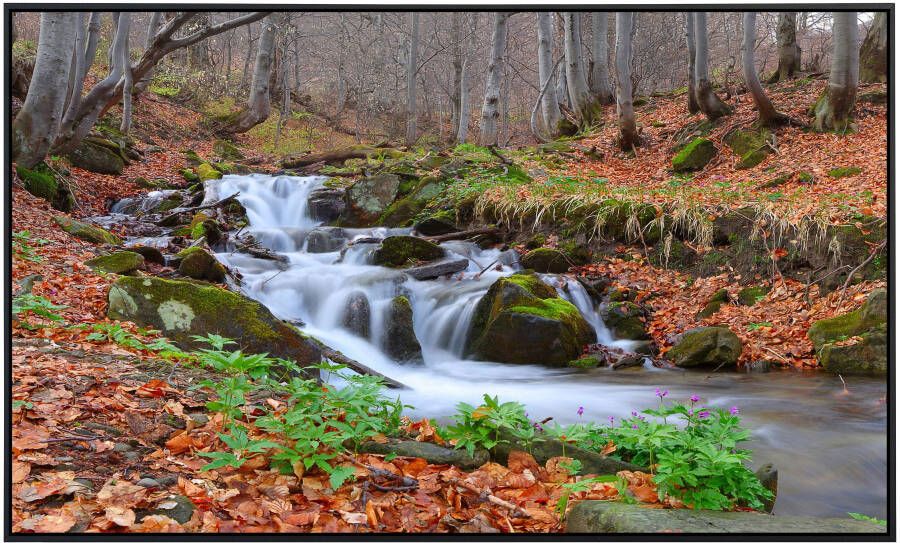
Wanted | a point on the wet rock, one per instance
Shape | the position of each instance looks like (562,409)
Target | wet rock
(43,183)
(178,508)
(545,261)
(695,156)
(768,477)
(326,204)
(368,198)
(625,319)
(147,482)
(436,224)
(97,158)
(121,262)
(181,309)
(150,254)
(871,315)
(432,453)
(325,240)
(402,251)
(750,295)
(357,314)
(400,342)
(437,269)
(592,516)
(522,320)
(708,346)
(86,231)
(868,355)
(714,304)
(197,263)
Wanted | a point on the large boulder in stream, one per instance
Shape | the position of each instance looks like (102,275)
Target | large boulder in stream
(521,320)
(400,342)
(369,197)
(357,314)
(197,263)
(404,251)
(545,260)
(181,309)
(326,204)
(707,346)
(626,320)
(866,352)
(120,262)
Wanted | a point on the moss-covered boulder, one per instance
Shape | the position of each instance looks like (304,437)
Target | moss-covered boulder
(86,232)
(197,263)
(545,260)
(189,175)
(368,198)
(42,182)
(751,145)
(695,156)
(150,254)
(404,210)
(708,346)
(192,157)
(400,341)
(750,295)
(181,309)
(121,262)
(227,150)
(871,315)
(714,304)
(867,355)
(205,172)
(521,320)
(97,158)
(403,251)
(436,224)
(625,320)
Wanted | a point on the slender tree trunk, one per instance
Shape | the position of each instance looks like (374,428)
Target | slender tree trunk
(77,60)
(710,104)
(259,103)
(579,94)
(549,104)
(462,131)
(128,85)
(246,71)
(693,106)
(628,136)
(457,66)
(87,55)
(834,109)
(873,54)
(152,29)
(788,50)
(411,65)
(490,112)
(599,83)
(285,95)
(37,123)
(768,116)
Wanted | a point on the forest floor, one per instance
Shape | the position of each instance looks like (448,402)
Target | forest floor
(92,420)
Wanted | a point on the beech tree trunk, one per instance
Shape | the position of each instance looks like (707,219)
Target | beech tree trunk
(457,66)
(709,103)
(768,116)
(599,83)
(788,50)
(128,81)
(38,122)
(693,106)
(873,54)
(628,136)
(834,109)
(462,131)
(490,112)
(549,104)
(152,29)
(259,103)
(412,61)
(580,98)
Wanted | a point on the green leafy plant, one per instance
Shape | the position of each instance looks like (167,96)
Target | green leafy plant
(22,246)
(104,332)
(759,325)
(874,520)
(562,504)
(29,304)
(240,448)
(481,426)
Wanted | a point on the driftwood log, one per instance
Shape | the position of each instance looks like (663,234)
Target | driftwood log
(465,234)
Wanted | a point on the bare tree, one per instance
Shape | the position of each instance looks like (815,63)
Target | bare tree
(580,98)
(693,106)
(549,104)
(38,121)
(873,53)
(128,75)
(709,103)
(788,50)
(259,104)
(768,116)
(462,131)
(628,136)
(834,109)
(490,112)
(599,83)
(411,62)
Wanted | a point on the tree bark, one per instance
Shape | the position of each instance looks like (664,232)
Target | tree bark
(128,84)
(152,29)
(788,50)
(457,66)
(693,106)
(873,54)
(549,103)
(411,69)
(39,120)
(462,131)
(768,116)
(259,103)
(599,83)
(490,112)
(628,136)
(579,94)
(834,109)
(709,103)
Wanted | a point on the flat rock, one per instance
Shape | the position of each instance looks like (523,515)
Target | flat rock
(434,454)
(437,269)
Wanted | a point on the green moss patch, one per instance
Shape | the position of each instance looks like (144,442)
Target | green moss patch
(86,232)
(847,171)
(120,262)
(402,251)
(695,156)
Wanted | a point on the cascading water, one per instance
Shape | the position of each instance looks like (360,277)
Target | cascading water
(802,423)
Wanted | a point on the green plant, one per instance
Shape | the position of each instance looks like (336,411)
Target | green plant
(562,504)
(240,448)
(22,248)
(759,325)
(481,426)
(30,304)
(860,516)
(116,334)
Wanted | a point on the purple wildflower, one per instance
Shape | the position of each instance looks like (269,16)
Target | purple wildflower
(612,420)
(662,394)
(735,410)
(634,413)
(580,411)
(703,414)
(634,426)
(695,398)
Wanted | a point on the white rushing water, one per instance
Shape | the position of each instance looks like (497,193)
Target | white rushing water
(830,447)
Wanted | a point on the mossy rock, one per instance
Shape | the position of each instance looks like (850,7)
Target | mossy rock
(400,341)
(403,251)
(566,128)
(431,452)
(197,263)
(436,224)
(192,157)
(708,346)
(846,171)
(867,356)
(584,363)
(181,309)
(86,232)
(368,198)
(404,210)
(624,319)
(687,133)
(97,158)
(522,320)
(695,156)
(751,159)
(545,260)
(121,262)
(536,241)
(744,141)
(871,315)
(189,175)
(42,182)
(205,172)
(227,150)
(714,304)
(750,295)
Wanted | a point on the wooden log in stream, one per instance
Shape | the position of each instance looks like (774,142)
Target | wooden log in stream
(465,234)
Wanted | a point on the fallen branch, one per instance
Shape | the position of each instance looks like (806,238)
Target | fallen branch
(329,157)
(359,367)
(486,494)
(874,252)
(406,483)
(463,235)
(180,210)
